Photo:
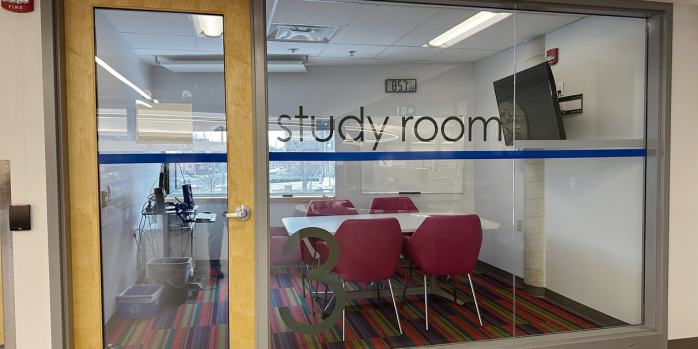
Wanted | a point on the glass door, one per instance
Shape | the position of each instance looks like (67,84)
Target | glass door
(154,173)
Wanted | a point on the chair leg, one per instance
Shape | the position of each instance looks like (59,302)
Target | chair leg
(313,295)
(303,270)
(404,286)
(324,301)
(344,319)
(397,316)
(475,299)
(426,302)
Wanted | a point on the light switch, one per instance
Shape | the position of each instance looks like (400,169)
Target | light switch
(519,224)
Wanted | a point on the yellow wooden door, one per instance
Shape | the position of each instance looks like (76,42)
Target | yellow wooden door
(83,161)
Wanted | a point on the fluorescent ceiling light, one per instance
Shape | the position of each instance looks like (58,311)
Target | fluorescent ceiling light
(286,67)
(211,26)
(467,28)
(123,79)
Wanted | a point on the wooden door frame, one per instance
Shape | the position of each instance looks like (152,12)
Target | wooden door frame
(83,190)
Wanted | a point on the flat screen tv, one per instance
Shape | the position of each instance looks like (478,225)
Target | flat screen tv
(535,112)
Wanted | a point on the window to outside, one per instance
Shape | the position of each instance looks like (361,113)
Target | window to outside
(301,178)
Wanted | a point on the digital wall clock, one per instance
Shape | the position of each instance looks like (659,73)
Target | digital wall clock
(400,85)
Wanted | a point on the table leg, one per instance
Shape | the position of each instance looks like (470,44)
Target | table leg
(166,235)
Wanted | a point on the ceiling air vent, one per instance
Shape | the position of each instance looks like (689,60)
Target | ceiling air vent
(301,33)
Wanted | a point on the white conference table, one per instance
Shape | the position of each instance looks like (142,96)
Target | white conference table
(409,222)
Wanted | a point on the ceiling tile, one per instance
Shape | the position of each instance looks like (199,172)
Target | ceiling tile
(462,55)
(313,12)
(382,24)
(531,24)
(269,8)
(315,61)
(160,42)
(435,26)
(305,48)
(150,22)
(409,53)
(210,44)
(499,36)
(514,30)
(361,51)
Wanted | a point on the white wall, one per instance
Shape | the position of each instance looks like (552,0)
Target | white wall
(594,230)
(683,240)
(594,239)
(443,89)
(27,142)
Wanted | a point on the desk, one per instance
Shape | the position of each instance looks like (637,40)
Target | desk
(170,211)
(409,222)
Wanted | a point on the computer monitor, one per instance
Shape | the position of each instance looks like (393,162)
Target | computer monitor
(535,112)
(188,199)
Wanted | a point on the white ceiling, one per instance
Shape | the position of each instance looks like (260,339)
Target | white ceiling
(388,33)
(377,34)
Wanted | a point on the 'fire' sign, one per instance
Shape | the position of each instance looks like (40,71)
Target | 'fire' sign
(18,5)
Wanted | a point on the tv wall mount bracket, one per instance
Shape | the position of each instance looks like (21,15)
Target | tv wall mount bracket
(579,97)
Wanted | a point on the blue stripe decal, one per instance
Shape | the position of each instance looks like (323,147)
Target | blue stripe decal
(159,158)
(375,156)
(461,155)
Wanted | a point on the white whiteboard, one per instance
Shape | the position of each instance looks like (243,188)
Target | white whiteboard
(412,176)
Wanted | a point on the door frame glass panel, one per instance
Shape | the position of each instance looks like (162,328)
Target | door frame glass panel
(83,166)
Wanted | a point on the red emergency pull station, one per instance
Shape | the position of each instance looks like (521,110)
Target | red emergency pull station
(551,56)
(18,5)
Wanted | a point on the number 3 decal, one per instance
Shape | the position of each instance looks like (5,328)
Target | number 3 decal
(321,274)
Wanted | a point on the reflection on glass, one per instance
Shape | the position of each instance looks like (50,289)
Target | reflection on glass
(492,167)
(163,181)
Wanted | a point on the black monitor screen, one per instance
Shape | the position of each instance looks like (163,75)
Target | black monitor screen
(537,112)
(188,196)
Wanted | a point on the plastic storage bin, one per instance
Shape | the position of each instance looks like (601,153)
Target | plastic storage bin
(173,273)
(140,301)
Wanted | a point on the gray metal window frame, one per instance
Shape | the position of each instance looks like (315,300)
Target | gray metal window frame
(652,334)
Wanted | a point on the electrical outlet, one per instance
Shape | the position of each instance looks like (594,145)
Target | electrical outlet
(560,89)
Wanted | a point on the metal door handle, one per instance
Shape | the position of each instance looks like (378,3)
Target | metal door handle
(242,213)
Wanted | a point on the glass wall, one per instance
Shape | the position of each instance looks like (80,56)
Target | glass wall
(162,174)
(452,174)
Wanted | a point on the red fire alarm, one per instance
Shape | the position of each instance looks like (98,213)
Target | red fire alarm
(18,5)
(551,56)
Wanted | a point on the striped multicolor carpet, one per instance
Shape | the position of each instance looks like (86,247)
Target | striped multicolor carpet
(367,327)
(199,323)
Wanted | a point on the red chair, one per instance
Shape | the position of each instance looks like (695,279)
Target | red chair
(330,208)
(401,204)
(327,208)
(300,255)
(444,245)
(369,252)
